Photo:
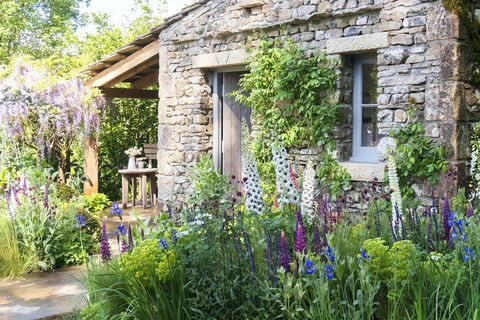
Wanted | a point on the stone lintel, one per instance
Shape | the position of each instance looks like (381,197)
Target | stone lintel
(365,171)
(360,43)
(220,59)
(250,3)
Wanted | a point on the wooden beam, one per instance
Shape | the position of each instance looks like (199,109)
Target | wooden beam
(90,168)
(127,67)
(129,93)
(146,81)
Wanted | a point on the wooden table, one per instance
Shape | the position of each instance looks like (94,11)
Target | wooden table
(129,176)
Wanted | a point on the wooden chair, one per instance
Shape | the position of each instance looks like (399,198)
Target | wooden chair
(150,151)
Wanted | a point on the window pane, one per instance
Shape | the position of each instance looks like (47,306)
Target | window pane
(370,136)
(369,83)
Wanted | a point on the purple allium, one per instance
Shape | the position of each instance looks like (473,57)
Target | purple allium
(45,196)
(80,221)
(317,242)
(300,235)
(105,252)
(445,219)
(310,267)
(469,213)
(116,210)
(163,242)
(284,252)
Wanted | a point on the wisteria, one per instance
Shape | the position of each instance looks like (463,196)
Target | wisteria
(308,193)
(251,178)
(39,115)
(287,193)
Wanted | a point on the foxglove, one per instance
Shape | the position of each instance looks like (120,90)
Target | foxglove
(252,184)
(287,194)
(308,193)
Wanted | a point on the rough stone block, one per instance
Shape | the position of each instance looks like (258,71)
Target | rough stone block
(403,39)
(442,24)
(358,43)
(220,59)
(415,21)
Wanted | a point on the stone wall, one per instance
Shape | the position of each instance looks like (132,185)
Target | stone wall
(422,56)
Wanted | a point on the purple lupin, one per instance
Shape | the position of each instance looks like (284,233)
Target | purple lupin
(284,253)
(105,252)
(300,235)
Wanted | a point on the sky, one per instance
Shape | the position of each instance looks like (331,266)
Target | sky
(122,9)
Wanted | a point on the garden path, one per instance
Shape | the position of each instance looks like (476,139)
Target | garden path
(42,294)
(46,294)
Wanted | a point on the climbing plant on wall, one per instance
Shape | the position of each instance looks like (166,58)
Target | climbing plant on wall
(292,99)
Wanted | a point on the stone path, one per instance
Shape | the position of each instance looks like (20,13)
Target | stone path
(45,294)
(42,294)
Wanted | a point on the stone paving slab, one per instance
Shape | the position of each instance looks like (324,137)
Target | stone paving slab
(42,294)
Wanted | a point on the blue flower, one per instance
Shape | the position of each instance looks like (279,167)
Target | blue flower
(329,271)
(330,255)
(174,236)
(115,209)
(468,254)
(364,254)
(163,243)
(80,220)
(121,230)
(310,267)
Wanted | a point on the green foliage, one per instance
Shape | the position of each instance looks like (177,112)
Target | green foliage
(95,203)
(332,176)
(418,157)
(14,262)
(292,99)
(65,192)
(378,252)
(209,186)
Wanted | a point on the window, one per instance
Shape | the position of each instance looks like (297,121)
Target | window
(365,129)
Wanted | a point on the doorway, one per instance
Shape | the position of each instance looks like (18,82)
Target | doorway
(227,123)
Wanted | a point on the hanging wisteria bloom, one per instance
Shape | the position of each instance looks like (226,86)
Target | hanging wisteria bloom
(308,193)
(251,178)
(396,196)
(44,114)
(287,193)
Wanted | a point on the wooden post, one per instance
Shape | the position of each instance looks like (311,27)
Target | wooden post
(91,165)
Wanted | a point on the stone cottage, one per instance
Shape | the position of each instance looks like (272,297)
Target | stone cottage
(408,51)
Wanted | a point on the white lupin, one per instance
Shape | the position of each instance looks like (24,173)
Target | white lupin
(396,196)
(308,192)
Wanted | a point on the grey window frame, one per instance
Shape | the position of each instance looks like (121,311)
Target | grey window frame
(359,153)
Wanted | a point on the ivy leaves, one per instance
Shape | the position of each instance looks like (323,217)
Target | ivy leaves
(291,95)
(418,158)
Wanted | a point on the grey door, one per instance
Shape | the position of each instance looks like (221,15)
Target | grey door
(229,115)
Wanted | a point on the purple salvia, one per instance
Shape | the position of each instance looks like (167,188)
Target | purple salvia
(246,238)
(125,247)
(105,252)
(284,252)
(300,235)
(445,216)
(45,196)
(130,238)
(15,195)
(317,242)
(469,213)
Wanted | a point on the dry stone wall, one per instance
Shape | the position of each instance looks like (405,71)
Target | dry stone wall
(422,54)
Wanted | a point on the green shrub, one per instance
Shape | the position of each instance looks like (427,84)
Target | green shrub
(95,203)
(65,193)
